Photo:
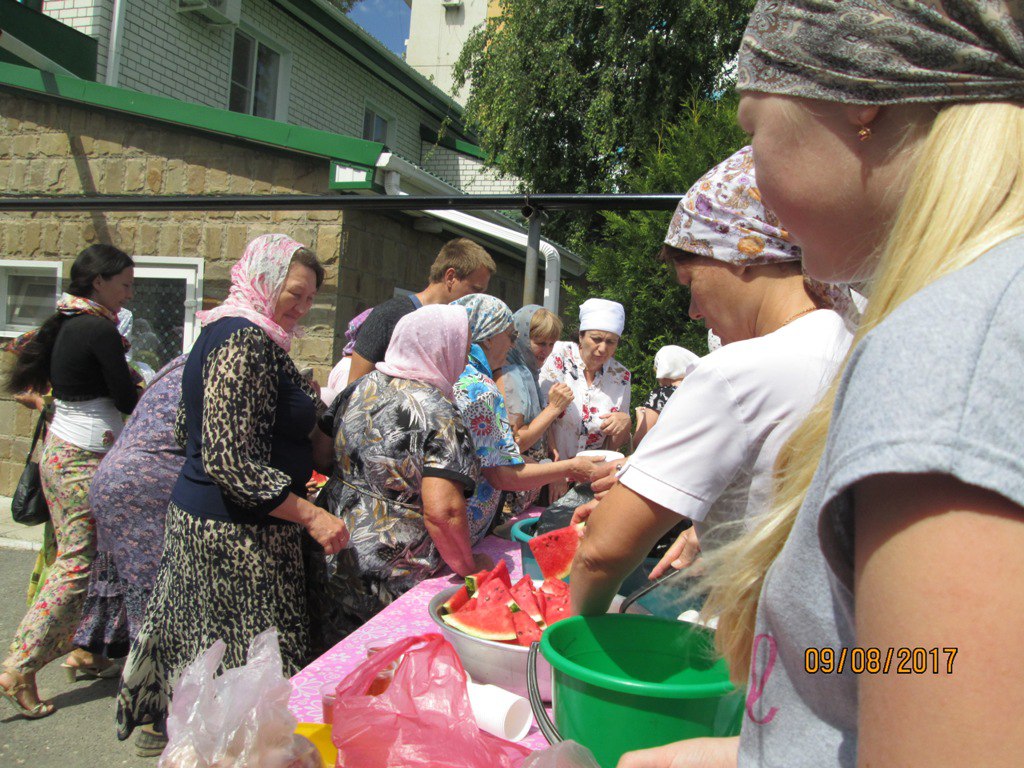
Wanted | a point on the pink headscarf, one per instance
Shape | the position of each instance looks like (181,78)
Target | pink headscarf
(256,282)
(429,345)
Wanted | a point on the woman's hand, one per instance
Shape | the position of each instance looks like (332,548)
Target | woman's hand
(616,426)
(691,753)
(560,396)
(682,553)
(582,512)
(586,469)
(329,531)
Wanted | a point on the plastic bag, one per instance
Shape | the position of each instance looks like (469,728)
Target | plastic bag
(564,754)
(422,719)
(239,719)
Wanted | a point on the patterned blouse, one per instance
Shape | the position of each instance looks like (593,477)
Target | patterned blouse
(483,411)
(392,433)
(579,426)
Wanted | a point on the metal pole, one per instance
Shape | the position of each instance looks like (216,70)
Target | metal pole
(532,248)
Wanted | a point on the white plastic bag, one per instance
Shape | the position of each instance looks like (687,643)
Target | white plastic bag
(239,719)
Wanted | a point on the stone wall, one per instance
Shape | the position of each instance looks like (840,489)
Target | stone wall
(55,147)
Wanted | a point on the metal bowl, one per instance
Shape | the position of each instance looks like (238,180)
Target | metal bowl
(488,661)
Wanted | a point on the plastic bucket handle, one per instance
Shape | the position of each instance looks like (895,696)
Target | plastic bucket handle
(540,714)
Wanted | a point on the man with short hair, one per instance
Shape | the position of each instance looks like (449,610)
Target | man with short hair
(462,267)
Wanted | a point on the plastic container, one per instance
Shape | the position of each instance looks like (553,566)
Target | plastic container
(624,682)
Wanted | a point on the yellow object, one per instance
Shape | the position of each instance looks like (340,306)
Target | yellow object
(320,735)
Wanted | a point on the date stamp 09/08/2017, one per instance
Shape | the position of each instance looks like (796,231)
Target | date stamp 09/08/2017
(880,661)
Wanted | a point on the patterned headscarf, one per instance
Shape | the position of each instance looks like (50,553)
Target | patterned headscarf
(871,52)
(521,352)
(69,306)
(256,282)
(429,345)
(722,217)
(352,332)
(488,316)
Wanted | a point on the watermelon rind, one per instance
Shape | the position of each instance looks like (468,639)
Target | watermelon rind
(487,623)
(456,601)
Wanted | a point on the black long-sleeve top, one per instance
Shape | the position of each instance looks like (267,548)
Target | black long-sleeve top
(88,362)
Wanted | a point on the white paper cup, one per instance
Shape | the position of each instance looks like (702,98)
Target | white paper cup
(499,712)
(601,454)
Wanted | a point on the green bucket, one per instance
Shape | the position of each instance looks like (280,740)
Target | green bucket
(623,681)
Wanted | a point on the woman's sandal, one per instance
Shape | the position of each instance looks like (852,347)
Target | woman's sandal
(74,672)
(40,710)
(149,742)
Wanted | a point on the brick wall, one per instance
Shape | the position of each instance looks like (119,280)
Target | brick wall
(53,147)
(467,173)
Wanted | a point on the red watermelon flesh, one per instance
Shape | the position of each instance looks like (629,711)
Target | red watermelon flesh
(493,591)
(554,587)
(456,601)
(475,581)
(523,594)
(527,630)
(488,622)
(501,572)
(555,550)
(556,608)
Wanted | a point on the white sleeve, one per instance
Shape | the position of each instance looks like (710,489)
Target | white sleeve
(695,449)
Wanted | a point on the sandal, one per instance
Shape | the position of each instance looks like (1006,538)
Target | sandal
(74,672)
(42,709)
(150,742)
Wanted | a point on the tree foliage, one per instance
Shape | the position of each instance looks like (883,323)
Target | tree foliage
(623,266)
(566,95)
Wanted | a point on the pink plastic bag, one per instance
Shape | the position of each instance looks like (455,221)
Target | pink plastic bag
(422,720)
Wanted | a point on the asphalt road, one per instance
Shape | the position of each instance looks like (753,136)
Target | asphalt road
(81,732)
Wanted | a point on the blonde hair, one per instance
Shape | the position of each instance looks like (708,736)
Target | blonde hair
(545,325)
(462,255)
(966,195)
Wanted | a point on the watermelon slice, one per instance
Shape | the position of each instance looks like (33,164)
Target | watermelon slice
(501,572)
(522,593)
(494,592)
(527,630)
(475,581)
(556,608)
(555,550)
(488,622)
(554,587)
(456,601)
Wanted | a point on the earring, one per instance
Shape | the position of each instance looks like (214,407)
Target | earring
(864,134)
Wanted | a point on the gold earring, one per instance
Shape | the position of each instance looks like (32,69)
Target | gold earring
(864,134)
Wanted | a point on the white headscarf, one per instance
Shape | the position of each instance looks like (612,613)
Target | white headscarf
(602,315)
(673,362)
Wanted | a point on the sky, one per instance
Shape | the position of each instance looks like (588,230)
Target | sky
(386,20)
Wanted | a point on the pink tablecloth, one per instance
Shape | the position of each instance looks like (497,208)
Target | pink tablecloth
(406,616)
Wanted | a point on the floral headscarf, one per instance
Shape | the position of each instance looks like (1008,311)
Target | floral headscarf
(873,52)
(352,332)
(69,306)
(521,352)
(722,217)
(429,345)
(488,316)
(256,282)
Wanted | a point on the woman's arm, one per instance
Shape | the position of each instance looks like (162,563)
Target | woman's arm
(939,566)
(691,753)
(526,477)
(109,353)
(559,397)
(619,533)
(645,419)
(329,531)
(323,451)
(444,514)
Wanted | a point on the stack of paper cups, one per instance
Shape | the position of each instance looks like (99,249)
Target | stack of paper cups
(500,712)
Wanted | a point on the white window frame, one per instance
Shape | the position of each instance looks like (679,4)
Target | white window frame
(284,76)
(389,117)
(176,268)
(10,267)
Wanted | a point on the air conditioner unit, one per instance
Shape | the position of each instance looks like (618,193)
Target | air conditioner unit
(220,12)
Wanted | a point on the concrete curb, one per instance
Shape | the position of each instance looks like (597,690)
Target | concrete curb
(14,535)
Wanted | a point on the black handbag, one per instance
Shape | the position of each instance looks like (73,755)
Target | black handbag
(28,505)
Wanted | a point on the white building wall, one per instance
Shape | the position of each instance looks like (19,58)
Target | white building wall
(90,17)
(467,173)
(436,37)
(182,56)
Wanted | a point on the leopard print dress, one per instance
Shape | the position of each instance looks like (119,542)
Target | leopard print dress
(221,579)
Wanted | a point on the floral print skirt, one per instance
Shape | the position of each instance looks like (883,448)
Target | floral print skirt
(48,627)
(217,581)
(104,627)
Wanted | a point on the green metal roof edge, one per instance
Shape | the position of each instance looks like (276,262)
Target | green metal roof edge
(450,142)
(209,119)
(73,50)
(371,53)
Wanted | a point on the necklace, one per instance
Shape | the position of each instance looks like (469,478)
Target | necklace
(798,314)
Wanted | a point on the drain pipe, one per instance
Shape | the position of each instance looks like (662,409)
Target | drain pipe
(114,43)
(552,277)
